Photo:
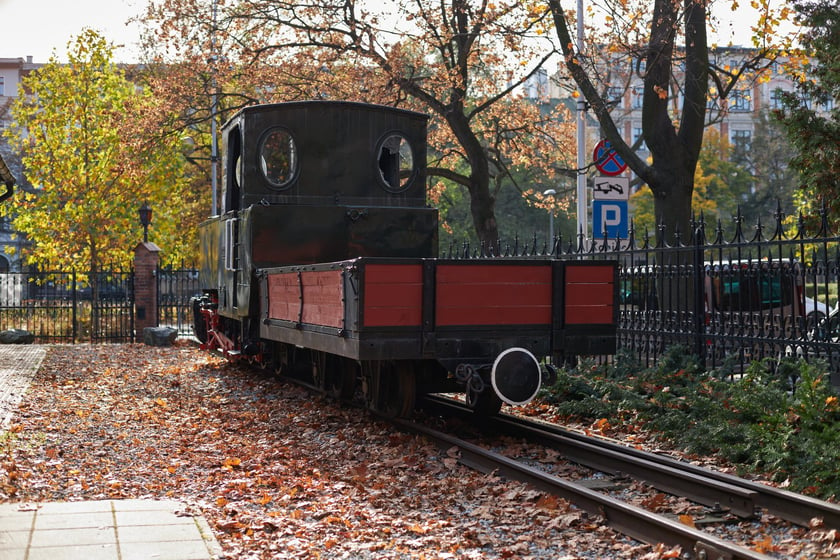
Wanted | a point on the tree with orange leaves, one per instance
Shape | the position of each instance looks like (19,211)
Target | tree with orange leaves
(462,61)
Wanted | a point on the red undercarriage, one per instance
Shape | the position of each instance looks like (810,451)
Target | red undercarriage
(216,339)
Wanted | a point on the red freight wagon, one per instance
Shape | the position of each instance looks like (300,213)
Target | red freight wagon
(459,314)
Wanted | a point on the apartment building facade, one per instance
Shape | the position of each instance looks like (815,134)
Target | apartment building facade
(734,117)
(12,70)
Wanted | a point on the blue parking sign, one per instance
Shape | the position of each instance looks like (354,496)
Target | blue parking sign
(610,216)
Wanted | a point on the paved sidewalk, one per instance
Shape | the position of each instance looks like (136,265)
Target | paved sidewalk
(104,530)
(18,364)
(95,530)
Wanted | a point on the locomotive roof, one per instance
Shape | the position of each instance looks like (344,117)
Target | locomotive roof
(308,104)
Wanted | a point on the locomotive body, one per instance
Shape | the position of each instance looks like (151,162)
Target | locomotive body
(322,264)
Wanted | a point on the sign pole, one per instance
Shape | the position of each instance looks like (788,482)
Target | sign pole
(582,226)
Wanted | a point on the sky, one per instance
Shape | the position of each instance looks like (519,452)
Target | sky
(39,28)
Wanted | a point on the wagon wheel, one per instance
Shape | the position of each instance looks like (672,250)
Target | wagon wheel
(370,383)
(397,390)
(300,364)
(318,362)
(484,403)
(390,388)
(278,360)
(199,321)
(340,378)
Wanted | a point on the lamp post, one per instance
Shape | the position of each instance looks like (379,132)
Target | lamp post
(551,193)
(145,213)
(214,108)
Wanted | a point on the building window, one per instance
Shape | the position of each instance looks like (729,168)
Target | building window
(615,97)
(2,85)
(638,96)
(640,66)
(637,136)
(712,99)
(776,98)
(741,139)
(536,87)
(740,101)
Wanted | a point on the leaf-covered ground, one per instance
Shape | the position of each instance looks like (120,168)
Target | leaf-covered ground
(276,472)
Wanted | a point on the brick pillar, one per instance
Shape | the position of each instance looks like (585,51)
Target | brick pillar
(146,259)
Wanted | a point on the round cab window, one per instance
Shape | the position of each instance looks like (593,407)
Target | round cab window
(396,163)
(278,158)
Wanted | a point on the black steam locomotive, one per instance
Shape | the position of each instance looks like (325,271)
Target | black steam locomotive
(322,264)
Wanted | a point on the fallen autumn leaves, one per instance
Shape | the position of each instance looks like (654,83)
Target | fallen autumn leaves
(277,473)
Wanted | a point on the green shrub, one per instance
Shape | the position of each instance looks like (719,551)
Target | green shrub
(781,419)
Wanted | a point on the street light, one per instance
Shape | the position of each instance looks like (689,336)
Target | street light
(145,213)
(551,193)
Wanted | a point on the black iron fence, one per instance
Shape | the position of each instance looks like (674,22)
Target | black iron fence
(176,286)
(69,306)
(728,297)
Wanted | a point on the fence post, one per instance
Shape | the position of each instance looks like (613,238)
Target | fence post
(146,260)
(699,295)
(74,333)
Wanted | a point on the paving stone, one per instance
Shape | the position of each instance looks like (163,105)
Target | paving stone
(13,539)
(91,520)
(106,529)
(75,552)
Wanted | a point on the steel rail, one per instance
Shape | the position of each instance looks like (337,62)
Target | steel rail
(627,519)
(598,453)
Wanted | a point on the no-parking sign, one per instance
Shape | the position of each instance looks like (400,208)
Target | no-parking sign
(607,160)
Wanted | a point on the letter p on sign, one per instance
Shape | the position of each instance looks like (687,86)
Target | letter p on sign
(609,216)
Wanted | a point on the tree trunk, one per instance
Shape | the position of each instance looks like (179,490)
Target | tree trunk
(672,206)
(482,202)
(483,211)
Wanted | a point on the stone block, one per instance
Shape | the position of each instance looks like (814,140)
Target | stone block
(159,336)
(16,336)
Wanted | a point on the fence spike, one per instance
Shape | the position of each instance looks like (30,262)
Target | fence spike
(759,230)
(823,220)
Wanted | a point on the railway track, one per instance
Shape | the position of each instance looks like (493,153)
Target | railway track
(739,497)
(698,484)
